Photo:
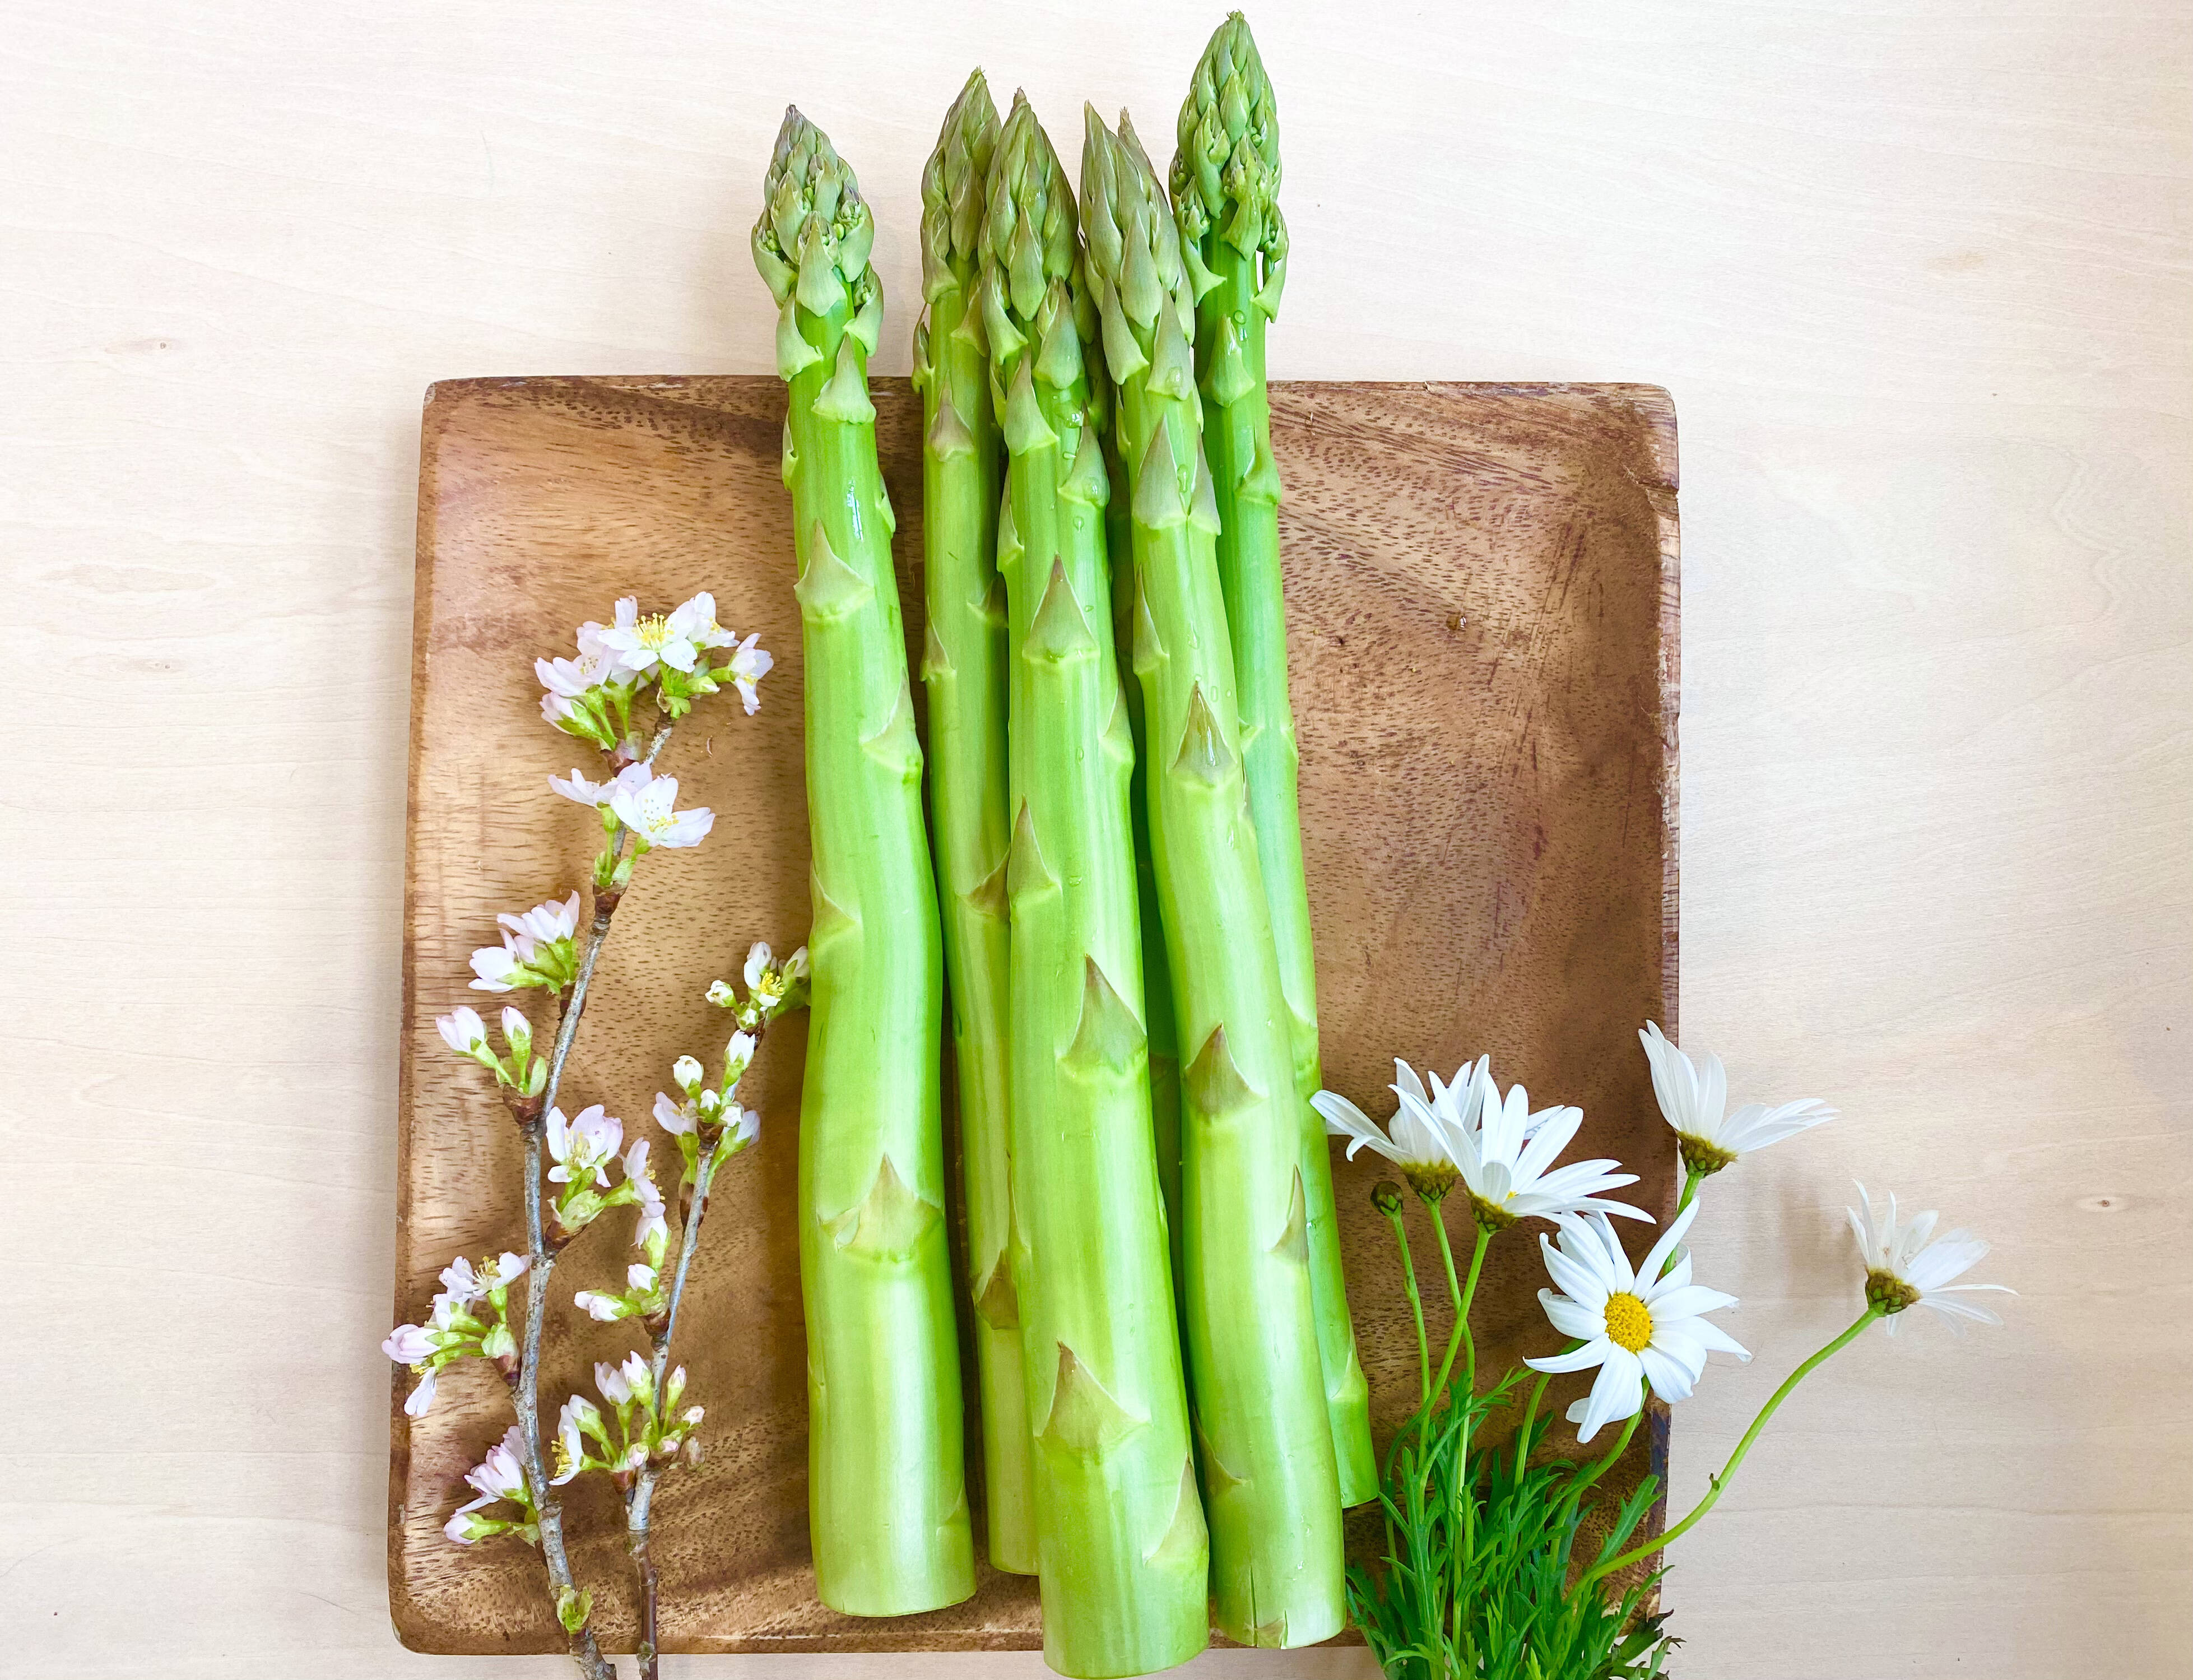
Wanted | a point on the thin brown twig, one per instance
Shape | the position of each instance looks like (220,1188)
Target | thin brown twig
(640,1502)
(526,1390)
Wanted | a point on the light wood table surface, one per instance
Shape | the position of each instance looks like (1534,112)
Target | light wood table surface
(1917,274)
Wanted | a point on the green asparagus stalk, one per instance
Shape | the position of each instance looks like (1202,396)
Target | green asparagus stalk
(964,671)
(1272,1492)
(1233,243)
(1123,1555)
(887,1502)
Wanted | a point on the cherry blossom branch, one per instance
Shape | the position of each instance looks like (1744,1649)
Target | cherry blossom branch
(718,1131)
(526,1390)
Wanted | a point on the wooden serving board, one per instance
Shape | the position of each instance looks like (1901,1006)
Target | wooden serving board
(1481,587)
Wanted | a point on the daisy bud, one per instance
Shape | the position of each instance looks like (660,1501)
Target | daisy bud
(1386,1197)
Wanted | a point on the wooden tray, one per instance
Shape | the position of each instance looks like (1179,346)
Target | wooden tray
(1482,591)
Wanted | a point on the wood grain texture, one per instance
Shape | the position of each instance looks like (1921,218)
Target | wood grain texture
(1482,586)
(1920,277)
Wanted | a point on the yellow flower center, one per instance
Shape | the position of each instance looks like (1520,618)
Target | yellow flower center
(1629,1322)
(652,631)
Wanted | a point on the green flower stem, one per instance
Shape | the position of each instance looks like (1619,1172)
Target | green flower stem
(1122,1549)
(963,672)
(1691,1179)
(1576,1488)
(1531,1416)
(1248,1302)
(1721,1482)
(887,1500)
(1225,176)
(1416,1310)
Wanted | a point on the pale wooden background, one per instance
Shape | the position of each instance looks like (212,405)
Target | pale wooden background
(1917,274)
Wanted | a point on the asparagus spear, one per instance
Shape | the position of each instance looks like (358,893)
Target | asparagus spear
(964,673)
(1272,1493)
(1123,1555)
(887,1503)
(1233,243)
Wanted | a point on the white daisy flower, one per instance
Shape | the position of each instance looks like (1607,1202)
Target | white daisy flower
(1420,1138)
(1904,1268)
(749,665)
(1507,1162)
(462,1029)
(646,809)
(583,1145)
(1692,1098)
(1636,1325)
(643,644)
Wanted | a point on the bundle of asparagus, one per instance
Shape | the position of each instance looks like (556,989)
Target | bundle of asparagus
(1173,1412)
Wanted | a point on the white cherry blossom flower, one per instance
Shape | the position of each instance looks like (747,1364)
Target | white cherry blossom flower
(653,1223)
(686,1071)
(556,919)
(678,1119)
(745,1127)
(749,665)
(421,1399)
(648,810)
(1904,1269)
(595,794)
(410,1344)
(582,1145)
(1637,1327)
(593,637)
(612,1383)
(1693,1096)
(500,1477)
(495,968)
(580,1418)
(462,1029)
(642,644)
(1507,1162)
